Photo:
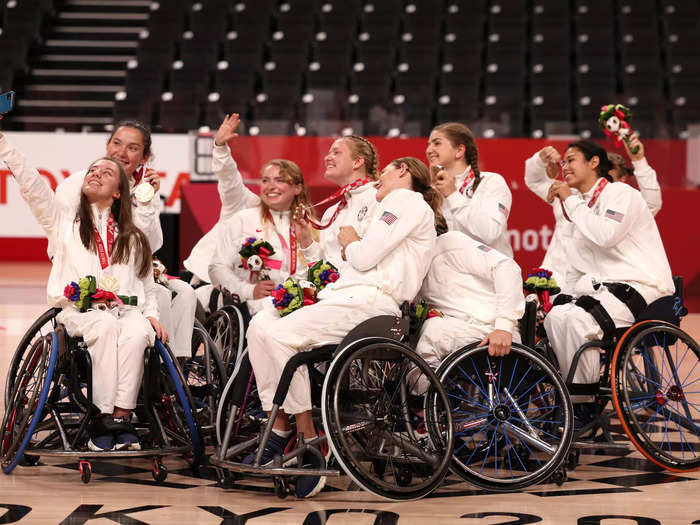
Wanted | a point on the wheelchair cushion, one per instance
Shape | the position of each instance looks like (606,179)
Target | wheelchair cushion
(669,309)
(389,326)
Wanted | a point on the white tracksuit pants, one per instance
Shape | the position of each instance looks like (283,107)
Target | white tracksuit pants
(569,326)
(272,340)
(177,314)
(116,347)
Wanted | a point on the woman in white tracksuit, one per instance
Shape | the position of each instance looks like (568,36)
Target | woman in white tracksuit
(130,144)
(97,237)
(281,190)
(383,268)
(614,239)
(543,168)
(351,163)
(478,290)
(476,203)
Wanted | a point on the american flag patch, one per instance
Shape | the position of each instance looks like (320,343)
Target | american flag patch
(614,215)
(388,218)
(502,209)
(484,248)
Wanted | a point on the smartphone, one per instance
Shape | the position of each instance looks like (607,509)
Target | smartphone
(7,102)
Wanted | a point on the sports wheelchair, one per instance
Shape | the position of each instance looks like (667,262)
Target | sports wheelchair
(650,374)
(390,439)
(203,371)
(50,406)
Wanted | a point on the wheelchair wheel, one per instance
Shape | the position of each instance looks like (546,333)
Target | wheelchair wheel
(241,391)
(655,371)
(205,375)
(171,407)
(389,435)
(512,415)
(227,328)
(26,408)
(45,324)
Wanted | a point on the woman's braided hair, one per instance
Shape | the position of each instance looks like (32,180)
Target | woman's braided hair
(457,133)
(364,149)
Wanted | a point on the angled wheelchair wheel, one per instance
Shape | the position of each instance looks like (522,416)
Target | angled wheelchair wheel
(171,407)
(205,375)
(656,393)
(512,415)
(25,411)
(44,325)
(387,419)
(227,328)
(240,391)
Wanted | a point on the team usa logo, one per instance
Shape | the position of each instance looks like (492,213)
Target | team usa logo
(362,213)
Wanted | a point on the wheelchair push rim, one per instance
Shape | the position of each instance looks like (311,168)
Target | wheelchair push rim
(392,442)
(656,393)
(512,415)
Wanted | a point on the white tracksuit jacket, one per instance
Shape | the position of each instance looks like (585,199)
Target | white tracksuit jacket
(481,214)
(116,374)
(556,259)
(234,195)
(225,270)
(476,288)
(382,270)
(176,314)
(616,240)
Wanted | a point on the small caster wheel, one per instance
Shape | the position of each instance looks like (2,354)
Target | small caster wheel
(281,487)
(403,477)
(85,471)
(573,459)
(159,471)
(29,461)
(559,477)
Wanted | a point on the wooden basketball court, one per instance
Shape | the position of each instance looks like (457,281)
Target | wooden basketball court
(611,489)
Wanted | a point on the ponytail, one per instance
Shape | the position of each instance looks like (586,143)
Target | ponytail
(420,182)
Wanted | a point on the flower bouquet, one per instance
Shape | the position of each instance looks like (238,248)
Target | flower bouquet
(613,120)
(541,282)
(292,295)
(87,291)
(254,254)
(322,273)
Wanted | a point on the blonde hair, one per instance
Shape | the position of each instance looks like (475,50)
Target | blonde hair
(421,183)
(361,148)
(291,174)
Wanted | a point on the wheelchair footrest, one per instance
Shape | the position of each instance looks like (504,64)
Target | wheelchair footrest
(145,453)
(271,470)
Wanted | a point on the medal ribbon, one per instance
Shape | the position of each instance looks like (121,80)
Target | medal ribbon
(342,204)
(292,247)
(104,256)
(599,189)
(467,181)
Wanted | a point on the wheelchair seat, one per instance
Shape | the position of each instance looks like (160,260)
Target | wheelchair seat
(387,326)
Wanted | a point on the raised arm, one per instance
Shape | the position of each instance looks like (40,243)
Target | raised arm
(646,175)
(35,189)
(486,216)
(541,170)
(397,216)
(234,195)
